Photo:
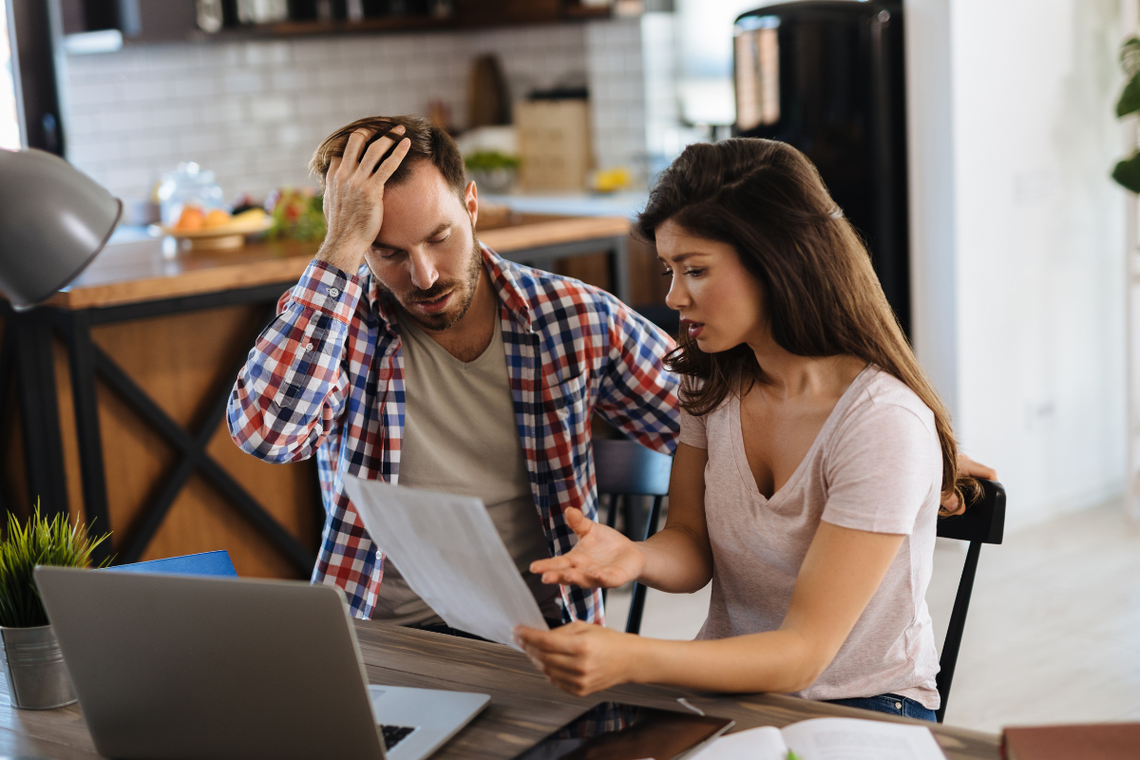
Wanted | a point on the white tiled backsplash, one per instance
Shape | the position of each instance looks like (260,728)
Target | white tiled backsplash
(254,111)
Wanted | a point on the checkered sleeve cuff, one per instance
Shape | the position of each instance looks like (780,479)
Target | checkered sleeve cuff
(326,288)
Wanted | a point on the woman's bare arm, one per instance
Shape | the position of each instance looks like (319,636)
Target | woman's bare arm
(678,558)
(840,574)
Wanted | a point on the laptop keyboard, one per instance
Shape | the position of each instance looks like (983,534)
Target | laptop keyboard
(393,735)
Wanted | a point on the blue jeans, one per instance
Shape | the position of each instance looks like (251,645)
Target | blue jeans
(892,704)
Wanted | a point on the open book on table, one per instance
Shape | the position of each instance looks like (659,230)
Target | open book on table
(827,739)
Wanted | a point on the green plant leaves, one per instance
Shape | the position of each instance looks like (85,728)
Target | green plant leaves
(1129,99)
(1127,171)
(40,541)
(1130,56)
(489,160)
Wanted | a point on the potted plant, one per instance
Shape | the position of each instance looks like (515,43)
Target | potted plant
(33,664)
(492,170)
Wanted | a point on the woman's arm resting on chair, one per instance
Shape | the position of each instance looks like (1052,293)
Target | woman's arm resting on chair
(969,468)
(840,573)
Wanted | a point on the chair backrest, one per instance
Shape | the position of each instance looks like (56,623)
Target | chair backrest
(207,563)
(982,523)
(625,468)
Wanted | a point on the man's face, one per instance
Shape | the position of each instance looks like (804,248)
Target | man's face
(426,255)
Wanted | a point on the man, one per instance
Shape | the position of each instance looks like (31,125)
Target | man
(410,353)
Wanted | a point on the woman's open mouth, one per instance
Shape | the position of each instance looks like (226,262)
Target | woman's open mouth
(694,328)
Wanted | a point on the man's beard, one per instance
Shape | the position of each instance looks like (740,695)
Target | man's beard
(464,289)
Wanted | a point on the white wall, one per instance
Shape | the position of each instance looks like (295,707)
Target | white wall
(1019,239)
(930,145)
(617,94)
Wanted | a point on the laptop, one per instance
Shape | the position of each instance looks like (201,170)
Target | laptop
(170,667)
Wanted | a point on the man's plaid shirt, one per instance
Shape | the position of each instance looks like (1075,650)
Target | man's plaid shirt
(327,376)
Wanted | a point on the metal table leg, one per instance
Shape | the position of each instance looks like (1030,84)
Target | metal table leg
(81,356)
(39,413)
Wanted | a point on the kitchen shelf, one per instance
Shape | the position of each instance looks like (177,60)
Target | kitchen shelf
(318,28)
(586,12)
(467,14)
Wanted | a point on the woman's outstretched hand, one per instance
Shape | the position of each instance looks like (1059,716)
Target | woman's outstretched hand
(580,658)
(602,558)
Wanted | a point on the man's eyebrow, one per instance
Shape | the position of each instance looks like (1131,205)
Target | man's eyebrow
(441,227)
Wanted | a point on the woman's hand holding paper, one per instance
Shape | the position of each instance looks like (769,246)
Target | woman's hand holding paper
(581,658)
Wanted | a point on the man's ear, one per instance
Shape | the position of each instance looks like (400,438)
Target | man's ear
(471,201)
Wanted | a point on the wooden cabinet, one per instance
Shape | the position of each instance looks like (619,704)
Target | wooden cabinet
(499,12)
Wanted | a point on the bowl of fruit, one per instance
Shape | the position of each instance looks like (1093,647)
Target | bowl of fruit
(216,229)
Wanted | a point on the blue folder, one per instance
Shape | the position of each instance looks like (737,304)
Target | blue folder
(206,563)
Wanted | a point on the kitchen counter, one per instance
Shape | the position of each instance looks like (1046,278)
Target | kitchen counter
(138,270)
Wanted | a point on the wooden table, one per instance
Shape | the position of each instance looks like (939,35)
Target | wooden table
(123,418)
(523,709)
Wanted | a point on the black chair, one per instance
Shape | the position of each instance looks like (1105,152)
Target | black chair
(624,469)
(982,523)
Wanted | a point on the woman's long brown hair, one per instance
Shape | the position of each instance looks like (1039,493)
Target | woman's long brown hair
(766,200)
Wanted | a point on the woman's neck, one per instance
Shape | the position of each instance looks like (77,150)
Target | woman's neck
(790,376)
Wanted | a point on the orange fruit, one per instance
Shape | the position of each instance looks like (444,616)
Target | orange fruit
(217,218)
(191,219)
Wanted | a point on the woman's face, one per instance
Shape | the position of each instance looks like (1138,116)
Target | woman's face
(721,303)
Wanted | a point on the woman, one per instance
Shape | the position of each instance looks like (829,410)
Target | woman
(813,457)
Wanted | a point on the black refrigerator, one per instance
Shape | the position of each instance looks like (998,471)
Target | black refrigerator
(827,77)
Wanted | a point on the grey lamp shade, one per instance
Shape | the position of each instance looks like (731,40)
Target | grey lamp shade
(53,220)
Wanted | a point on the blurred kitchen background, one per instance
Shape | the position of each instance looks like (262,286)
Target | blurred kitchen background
(981,148)
(252,100)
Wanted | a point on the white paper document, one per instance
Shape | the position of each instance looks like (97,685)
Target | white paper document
(450,553)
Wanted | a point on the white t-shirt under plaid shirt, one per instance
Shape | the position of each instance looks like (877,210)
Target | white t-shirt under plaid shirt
(326,378)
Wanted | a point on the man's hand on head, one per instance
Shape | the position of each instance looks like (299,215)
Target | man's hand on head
(354,196)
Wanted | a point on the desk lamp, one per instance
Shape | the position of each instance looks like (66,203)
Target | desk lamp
(54,219)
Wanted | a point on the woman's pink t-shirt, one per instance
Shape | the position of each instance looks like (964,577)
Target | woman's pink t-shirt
(876,466)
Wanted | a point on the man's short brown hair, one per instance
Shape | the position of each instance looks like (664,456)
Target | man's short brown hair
(429,143)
